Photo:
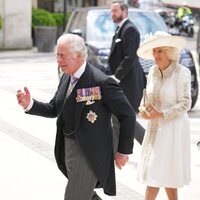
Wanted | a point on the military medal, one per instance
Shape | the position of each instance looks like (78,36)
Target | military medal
(91,116)
(88,94)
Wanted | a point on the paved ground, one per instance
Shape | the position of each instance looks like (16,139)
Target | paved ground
(28,169)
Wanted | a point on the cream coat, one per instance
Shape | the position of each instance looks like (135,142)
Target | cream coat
(165,157)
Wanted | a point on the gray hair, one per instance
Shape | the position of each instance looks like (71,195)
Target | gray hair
(172,53)
(76,43)
(123,4)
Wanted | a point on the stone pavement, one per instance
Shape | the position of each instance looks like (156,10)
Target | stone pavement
(28,169)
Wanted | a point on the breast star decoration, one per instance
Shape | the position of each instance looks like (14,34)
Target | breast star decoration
(91,116)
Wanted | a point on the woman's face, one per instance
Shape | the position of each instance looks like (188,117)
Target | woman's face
(161,58)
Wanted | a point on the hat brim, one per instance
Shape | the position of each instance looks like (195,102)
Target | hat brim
(145,50)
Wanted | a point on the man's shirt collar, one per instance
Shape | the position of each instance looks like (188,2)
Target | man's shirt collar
(80,71)
(122,22)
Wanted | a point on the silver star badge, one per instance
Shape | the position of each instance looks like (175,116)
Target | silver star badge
(91,116)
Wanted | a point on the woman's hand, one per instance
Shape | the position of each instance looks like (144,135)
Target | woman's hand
(151,112)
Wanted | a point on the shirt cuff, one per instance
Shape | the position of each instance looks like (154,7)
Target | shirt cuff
(116,79)
(122,154)
(30,105)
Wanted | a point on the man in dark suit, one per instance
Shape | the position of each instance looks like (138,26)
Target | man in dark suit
(83,104)
(124,63)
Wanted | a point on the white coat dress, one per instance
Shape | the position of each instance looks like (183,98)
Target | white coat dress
(165,156)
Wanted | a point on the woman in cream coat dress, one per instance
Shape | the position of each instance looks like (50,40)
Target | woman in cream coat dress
(165,156)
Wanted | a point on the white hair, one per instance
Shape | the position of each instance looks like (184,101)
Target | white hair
(76,44)
(172,53)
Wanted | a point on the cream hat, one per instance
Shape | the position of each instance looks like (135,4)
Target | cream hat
(159,39)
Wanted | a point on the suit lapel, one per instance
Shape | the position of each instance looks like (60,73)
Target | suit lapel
(118,35)
(83,82)
(61,96)
(123,26)
(113,42)
(64,85)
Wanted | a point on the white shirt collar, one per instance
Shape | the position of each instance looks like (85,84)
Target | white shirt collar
(80,71)
(122,22)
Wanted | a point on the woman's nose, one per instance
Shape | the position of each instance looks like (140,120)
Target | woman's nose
(155,55)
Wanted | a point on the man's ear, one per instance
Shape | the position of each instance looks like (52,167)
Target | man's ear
(75,55)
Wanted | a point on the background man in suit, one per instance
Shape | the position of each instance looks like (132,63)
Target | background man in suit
(84,140)
(124,63)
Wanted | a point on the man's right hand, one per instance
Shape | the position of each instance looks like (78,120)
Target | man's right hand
(121,160)
(23,98)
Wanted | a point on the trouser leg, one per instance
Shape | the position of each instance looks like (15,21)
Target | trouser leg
(81,179)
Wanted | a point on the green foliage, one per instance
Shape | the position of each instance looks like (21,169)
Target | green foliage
(41,17)
(59,18)
(1,22)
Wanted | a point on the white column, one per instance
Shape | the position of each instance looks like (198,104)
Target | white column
(17,20)
(2,16)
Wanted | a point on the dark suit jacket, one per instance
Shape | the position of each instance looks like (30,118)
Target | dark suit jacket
(95,139)
(124,63)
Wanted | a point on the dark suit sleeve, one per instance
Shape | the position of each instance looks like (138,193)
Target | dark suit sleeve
(44,109)
(130,44)
(117,102)
(54,106)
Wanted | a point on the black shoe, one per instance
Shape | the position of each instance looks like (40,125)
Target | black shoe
(95,196)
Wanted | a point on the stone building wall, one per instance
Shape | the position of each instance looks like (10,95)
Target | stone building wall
(16,32)
(2,16)
(77,3)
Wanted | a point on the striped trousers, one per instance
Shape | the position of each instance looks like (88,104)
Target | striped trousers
(81,179)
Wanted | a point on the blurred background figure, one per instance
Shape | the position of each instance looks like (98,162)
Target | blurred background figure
(185,21)
(124,63)
(183,10)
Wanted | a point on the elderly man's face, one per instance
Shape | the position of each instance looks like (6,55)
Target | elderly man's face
(67,61)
